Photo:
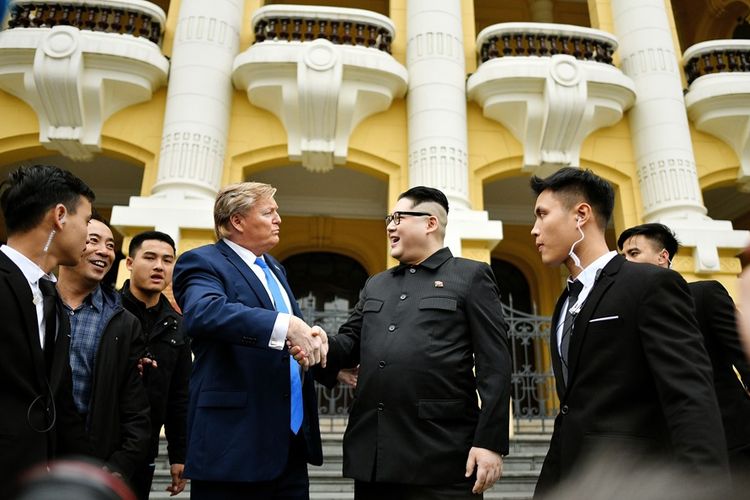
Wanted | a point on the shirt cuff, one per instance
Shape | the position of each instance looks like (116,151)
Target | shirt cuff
(280,329)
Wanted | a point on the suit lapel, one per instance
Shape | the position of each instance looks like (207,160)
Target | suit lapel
(19,287)
(247,273)
(279,273)
(62,347)
(592,301)
(556,363)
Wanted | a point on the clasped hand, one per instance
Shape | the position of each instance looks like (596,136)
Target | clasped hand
(308,346)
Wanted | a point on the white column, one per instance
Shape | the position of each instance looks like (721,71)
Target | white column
(196,121)
(661,134)
(542,11)
(436,104)
(436,100)
(199,98)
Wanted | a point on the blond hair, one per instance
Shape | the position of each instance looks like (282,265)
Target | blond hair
(235,199)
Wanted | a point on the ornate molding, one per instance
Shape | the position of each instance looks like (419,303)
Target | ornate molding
(551,104)
(441,165)
(319,90)
(668,183)
(76,79)
(718,98)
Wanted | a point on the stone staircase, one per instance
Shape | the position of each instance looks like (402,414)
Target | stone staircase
(520,470)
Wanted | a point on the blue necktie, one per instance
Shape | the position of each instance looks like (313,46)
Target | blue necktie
(297,411)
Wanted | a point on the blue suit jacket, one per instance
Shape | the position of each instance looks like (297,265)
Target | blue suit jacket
(238,417)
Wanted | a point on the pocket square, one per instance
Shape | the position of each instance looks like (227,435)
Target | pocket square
(604,318)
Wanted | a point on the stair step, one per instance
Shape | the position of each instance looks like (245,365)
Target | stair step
(520,468)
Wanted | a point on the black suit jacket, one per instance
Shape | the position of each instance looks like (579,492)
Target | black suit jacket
(418,332)
(715,311)
(37,415)
(639,376)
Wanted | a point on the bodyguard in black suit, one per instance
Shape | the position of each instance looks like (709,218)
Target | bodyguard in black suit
(656,244)
(46,212)
(631,370)
(416,430)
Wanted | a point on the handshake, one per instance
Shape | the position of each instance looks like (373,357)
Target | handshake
(308,346)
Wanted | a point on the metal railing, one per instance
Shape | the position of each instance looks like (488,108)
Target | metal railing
(340,26)
(138,18)
(544,39)
(716,56)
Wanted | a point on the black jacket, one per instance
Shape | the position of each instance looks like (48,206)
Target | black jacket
(639,378)
(167,384)
(118,420)
(427,338)
(714,310)
(26,407)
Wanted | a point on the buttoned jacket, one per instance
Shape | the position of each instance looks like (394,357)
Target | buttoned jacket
(418,333)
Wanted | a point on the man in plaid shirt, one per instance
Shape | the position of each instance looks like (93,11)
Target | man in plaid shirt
(106,343)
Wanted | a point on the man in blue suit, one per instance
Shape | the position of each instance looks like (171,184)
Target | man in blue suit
(253,414)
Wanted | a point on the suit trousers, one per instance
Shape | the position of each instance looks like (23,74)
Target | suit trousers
(292,484)
(364,490)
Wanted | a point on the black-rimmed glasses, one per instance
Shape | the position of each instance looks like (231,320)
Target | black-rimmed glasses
(396,216)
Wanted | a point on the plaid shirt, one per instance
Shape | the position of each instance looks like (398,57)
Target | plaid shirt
(85,330)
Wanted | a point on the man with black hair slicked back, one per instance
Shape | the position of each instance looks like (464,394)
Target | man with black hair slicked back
(631,371)
(46,213)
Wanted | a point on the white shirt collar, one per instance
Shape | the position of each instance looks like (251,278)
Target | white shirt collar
(245,254)
(31,271)
(588,276)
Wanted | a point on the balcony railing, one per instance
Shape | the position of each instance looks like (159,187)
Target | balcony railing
(551,86)
(718,95)
(78,62)
(338,25)
(542,39)
(138,18)
(321,71)
(716,56)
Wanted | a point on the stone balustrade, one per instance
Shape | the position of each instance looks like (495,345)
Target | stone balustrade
(340,26)
(138,18)
(544,39)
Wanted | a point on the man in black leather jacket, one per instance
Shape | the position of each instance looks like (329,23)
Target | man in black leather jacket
(151,257)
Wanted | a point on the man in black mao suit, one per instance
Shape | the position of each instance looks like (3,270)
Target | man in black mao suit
(46,213)
(416,430)
(656,244)
(631,370)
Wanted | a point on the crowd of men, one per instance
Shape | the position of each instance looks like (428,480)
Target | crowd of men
(90,372)
(649,369)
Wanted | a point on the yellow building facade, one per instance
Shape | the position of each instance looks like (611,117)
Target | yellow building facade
(342,105)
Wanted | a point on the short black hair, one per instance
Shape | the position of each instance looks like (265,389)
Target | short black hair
(575,184)
(95,215)
(424,194)
(30,191)
(661,234)
(139,238)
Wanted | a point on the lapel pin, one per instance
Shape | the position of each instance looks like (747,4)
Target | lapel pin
(438,284)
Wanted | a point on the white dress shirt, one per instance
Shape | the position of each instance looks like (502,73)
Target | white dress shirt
(281,326)
(33,274)
(587,277)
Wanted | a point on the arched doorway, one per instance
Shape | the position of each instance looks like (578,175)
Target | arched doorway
(325,280)
(532,381)
(514,289)
(327,287)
